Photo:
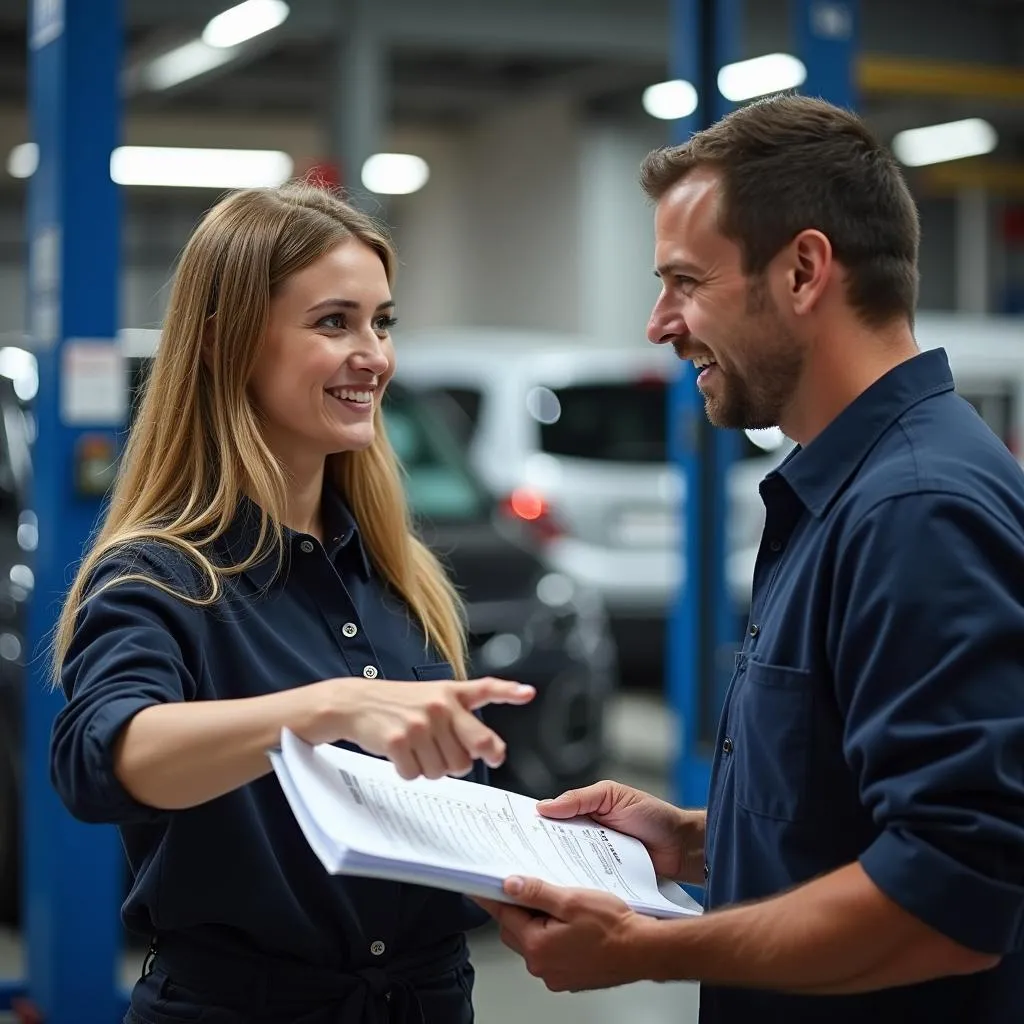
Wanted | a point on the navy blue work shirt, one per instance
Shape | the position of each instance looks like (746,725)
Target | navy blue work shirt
(876,712)
(236,874)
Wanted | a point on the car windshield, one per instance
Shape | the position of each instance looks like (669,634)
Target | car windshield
(438,483)
(609,422)
(619,421)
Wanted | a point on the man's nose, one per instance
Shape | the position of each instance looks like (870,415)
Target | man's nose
(665,325)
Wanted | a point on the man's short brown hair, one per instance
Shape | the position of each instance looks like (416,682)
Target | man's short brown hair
(790,163)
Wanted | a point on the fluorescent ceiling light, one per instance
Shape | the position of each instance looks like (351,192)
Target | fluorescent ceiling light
(23,160)
(199,168)
(395,174)
(760,76)
(670,100)
(938,143)
(768,439)
(244,21)
(183,63)
(21,367)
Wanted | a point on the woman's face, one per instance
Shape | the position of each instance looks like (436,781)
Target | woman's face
(326,358)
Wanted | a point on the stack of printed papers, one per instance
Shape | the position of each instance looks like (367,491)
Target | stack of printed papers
(362,818)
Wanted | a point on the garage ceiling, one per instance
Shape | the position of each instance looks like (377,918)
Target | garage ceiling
(454,61)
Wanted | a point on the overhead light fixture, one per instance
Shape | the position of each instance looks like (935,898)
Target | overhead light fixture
(937,143)
(21,367)
(23,160)
(175,167)
(182,63)
(199,168)
(761,76)
(768,439)
(243,22)
(670,100)
(395,174)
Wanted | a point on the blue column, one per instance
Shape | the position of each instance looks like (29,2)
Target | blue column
(826,33)
(703,623)
(73,872)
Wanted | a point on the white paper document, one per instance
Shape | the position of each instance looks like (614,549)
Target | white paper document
(362,818)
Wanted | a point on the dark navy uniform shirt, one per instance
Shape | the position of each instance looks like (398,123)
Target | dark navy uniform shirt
(236,872)
(876,713)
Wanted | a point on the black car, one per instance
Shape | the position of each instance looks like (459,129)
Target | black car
(525,622)
(18,535)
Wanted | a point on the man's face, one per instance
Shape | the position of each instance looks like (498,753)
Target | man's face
(727,323)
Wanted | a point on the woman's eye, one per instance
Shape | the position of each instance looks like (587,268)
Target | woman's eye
(385,323)
(333,322)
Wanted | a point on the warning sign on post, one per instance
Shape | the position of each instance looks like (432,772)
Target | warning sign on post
(93,386)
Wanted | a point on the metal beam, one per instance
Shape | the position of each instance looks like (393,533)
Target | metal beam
(997,178)
(885,75)
(570,27)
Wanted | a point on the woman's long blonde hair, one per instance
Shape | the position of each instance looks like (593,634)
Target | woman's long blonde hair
(196,447)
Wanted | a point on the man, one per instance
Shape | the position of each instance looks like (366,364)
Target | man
(863,849)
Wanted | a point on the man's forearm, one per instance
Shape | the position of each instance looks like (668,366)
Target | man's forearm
(836,935)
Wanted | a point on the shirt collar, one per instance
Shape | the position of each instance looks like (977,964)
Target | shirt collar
(341,533)
(819,472)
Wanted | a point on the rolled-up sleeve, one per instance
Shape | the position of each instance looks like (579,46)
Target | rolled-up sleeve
(928,654)
(134,646)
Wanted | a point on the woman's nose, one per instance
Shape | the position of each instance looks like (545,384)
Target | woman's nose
(373,357)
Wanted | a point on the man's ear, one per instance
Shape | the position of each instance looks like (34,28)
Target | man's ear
(811,270)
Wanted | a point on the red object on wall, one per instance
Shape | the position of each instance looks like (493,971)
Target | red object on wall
(26,1012)
(325,173)
(1013,224)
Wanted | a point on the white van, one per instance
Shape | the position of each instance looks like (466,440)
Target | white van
(572,435)
(986,355)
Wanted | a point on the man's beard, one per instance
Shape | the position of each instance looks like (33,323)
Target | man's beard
(773,362)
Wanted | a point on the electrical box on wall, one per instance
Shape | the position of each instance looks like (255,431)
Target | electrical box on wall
(95,464)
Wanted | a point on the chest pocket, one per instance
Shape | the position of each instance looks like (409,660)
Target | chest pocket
(435,673)
(771,741)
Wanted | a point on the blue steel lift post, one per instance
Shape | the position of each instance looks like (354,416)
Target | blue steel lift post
(704,621)
(72,872)
(826,33)
(704,626)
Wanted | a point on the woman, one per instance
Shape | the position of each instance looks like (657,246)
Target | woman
(256,570)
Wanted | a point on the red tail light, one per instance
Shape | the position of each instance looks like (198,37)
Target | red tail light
(529,507)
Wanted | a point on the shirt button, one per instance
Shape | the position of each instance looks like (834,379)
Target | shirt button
(754,629)
(776,546)
(370,672)
(727,745)
(307,547)
(377,948)
(350,629)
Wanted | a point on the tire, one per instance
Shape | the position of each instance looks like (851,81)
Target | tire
(556,742)
(10,838)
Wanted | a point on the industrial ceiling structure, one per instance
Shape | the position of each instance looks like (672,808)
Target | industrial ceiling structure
(452,62)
